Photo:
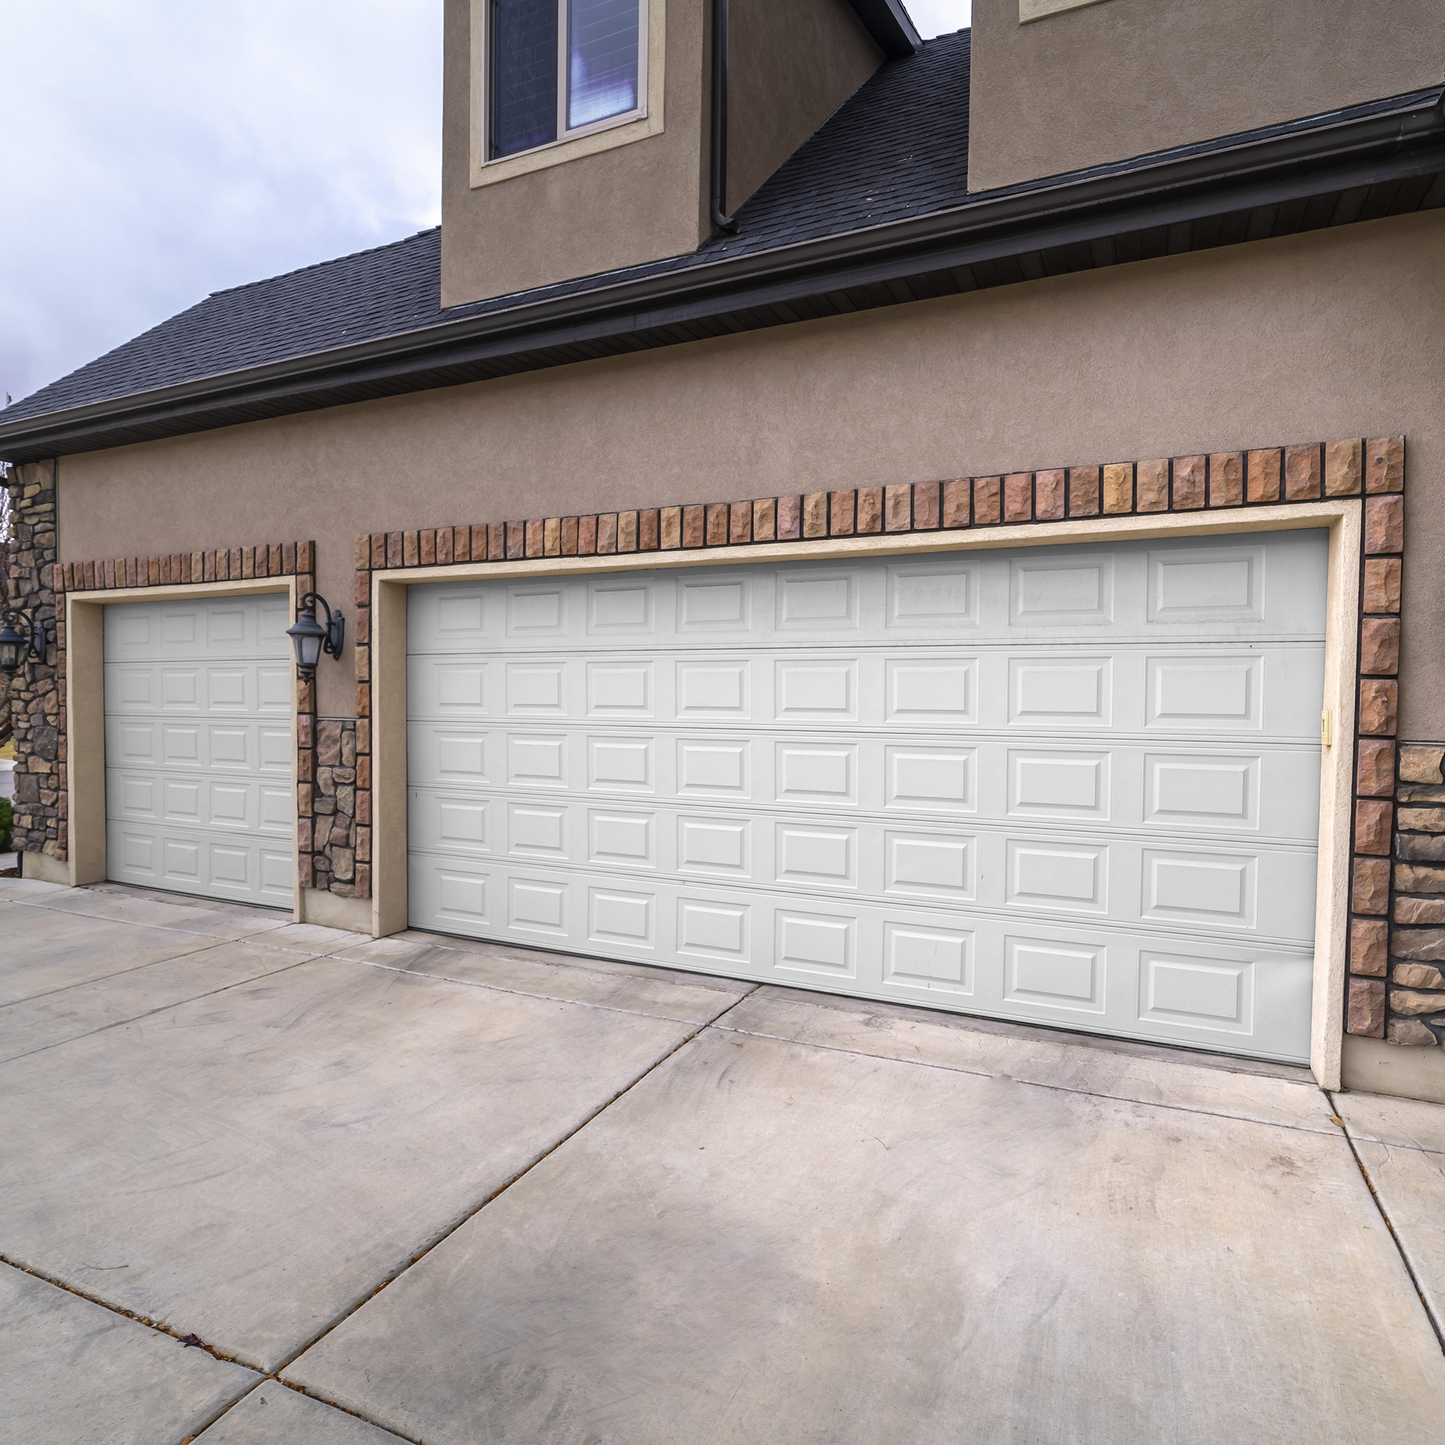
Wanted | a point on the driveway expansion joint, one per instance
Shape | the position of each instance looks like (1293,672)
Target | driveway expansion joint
(1435,1323)
(449,1230)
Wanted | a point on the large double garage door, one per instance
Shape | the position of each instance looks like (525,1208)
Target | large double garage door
(198,749)
(1070,786)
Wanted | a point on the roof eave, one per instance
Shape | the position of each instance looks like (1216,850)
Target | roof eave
(1405,139)
(890,25)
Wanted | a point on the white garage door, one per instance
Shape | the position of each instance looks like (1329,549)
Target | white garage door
(1070,786)
(198,747)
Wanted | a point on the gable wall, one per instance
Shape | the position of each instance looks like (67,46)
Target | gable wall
(1127,77)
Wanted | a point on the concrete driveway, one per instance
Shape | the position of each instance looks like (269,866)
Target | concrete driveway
(265,1182)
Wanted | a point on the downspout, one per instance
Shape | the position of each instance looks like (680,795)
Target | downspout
(720,217)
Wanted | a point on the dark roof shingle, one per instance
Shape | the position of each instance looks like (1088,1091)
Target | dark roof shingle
(898,147)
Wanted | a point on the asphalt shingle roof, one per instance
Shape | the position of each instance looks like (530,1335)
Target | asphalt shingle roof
(898,147)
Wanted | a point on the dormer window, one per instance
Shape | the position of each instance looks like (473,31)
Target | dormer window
(557,69)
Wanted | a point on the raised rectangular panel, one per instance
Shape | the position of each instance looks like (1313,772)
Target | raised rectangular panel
(462,686)
(137,685)
(1185,693)
(132,627)
(619,689)
(712,689)
(619,607)
(713,767)
(1202,993)
(1073,589)
(811,601)
(713,845)
(138,742)
(460,615)
(931,595)
(180,860)
(225,626)
(825,856)
(712,604)
(1050,692)
(138,852)
(1210,888)
(178,629)
(1060,975)
(181,800)
(1208,790)
(229,804)
(817,689)
(624,839)
(461,897)
(707,929)
(531,829)
(274,747)
(815,943)
(534,906)
(226,687)
(535,611)
(138,796)
(181,688)
(1213,584)
(931,864)
(1051,784)
(229,746)
(277,808)
(534,687)
(930,690)
(924,957)
(620,763)
(277,871)
(273,689)
(461,823)
(229,865)
(537,760)
(1057,876)
(461,756)
(817,773)
(181,744)
(615,917)
(273,617)
(935,779)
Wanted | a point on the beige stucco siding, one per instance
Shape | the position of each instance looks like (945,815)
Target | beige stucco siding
(1322,335)
(1128,77)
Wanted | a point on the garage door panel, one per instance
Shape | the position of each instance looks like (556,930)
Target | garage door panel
(199,745)
(1075,785)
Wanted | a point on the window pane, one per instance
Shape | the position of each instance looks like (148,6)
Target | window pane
(524,74)
(602,59)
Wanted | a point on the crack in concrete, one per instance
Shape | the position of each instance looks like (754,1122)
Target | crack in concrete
(1345,1130)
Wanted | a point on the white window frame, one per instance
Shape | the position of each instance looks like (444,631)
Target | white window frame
(615,130)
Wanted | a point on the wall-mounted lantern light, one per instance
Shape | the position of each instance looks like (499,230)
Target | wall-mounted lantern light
(15,646)
(308,636)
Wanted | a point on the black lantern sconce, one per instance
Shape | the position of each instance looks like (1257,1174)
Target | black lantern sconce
(15,646)
(309,637)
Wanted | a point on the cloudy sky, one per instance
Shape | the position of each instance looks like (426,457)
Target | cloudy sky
(154,151)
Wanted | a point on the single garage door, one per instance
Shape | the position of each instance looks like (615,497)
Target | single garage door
(198,747)
(1075,786)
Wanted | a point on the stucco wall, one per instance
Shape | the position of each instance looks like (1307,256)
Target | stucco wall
(789,68)
(1127,77)
(1332,333)
(640,201)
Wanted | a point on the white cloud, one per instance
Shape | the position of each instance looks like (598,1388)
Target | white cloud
(157,151)
(939,17)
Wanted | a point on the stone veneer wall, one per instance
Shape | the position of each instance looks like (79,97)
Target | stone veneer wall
(37,691)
